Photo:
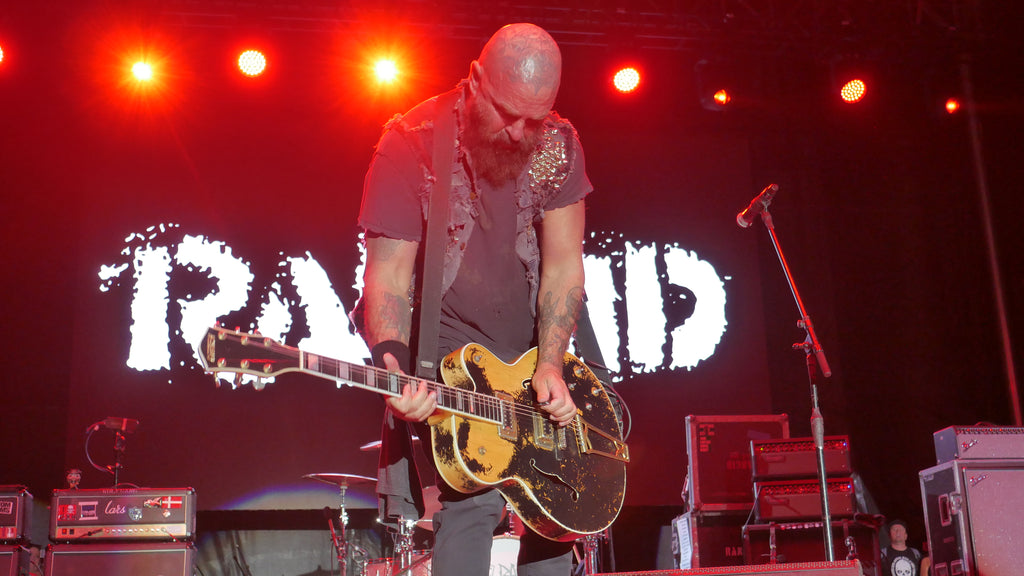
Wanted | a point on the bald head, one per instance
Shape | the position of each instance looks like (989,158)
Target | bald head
(523,60)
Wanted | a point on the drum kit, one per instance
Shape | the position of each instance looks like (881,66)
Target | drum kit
(407,560)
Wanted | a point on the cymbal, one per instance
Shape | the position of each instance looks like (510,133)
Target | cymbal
(375,445)
(343,480)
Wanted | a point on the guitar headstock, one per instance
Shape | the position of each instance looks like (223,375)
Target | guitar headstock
(250,357)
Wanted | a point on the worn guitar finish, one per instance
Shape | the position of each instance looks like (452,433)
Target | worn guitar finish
(489,432)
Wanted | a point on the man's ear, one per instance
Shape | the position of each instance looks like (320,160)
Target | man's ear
(476,76)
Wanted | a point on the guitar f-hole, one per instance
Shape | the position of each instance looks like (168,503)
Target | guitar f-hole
(552,476)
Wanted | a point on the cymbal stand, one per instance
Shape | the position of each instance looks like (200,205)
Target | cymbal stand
(592,552)
(404,547)
(340,541)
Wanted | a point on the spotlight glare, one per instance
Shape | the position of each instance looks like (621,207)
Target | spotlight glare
(1,53)
(142,71)
(386,70)
(722,97)
(853,91)
(626,80)
(952,105)
(252,63)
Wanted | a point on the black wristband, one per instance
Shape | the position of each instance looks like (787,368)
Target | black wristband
(397,349)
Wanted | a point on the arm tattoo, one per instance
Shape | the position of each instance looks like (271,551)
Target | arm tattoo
(392,319)
(556,323)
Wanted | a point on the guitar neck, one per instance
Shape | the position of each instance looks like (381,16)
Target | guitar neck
(455,400)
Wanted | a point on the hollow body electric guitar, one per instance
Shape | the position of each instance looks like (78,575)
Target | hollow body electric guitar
(488,432)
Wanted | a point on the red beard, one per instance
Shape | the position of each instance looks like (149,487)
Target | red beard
(494,157)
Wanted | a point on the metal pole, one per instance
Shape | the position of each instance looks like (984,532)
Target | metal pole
(974,131)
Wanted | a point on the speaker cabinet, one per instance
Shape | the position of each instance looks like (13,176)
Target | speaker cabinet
(13,561)
(973,511)
(136,559)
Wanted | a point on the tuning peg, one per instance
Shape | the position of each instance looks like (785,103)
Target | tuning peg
(216,380)
(259,384)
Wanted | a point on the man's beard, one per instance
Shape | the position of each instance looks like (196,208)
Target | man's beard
(494,157)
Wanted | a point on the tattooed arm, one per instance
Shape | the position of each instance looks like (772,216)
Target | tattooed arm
(386,282)
(559,301)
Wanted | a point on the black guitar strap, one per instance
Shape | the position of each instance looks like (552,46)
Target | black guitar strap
(589,350)
(437,230)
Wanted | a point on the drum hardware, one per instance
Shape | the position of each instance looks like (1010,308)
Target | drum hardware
(591,560)
(341,544)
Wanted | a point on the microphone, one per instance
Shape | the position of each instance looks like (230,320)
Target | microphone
(746,218)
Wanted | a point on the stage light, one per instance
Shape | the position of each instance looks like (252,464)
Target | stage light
(626,80)
(1,54)
(142,71)
(715,82)
(952,105)
(853,91)
(385,70)
(252,63)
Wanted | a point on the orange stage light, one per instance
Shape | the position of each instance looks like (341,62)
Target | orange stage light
(952,105)
(626,80)
(722,97)
(385,70)
(853,91)
(252,63)
(142,71)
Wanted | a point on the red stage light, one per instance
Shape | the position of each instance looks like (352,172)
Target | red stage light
(952,105)
(142,71)
(722,97)
(385,70)
(626,80)
(853,91)
(252,63)
(1,54)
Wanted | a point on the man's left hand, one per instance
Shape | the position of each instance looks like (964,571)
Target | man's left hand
(553,395)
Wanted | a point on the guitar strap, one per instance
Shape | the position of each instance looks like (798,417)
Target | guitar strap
(437,231)
(589,350)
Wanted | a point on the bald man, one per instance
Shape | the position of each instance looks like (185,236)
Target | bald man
(513,274)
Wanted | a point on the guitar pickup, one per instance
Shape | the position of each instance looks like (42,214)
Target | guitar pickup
(546,435)
(508,425)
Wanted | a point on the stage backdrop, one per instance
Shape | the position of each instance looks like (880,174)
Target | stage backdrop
(234,201)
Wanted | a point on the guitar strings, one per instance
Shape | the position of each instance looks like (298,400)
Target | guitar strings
(380,379)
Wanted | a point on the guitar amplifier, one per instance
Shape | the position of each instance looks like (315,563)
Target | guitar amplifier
(718,456)
(110,558)
(789,500)
(978,442)
(15,514)
(794,458)
(973,511)
(152,514)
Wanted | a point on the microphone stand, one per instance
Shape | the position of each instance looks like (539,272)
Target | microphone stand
(815,359)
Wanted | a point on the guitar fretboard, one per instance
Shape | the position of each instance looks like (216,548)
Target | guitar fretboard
(463,402)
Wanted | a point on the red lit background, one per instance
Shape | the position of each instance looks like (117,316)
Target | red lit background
(878,209)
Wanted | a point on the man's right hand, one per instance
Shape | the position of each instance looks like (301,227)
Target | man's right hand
(413,405)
